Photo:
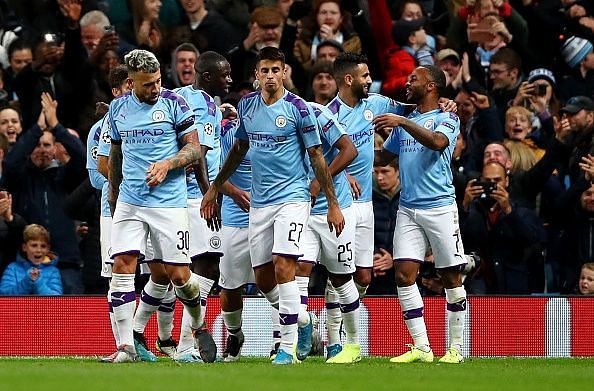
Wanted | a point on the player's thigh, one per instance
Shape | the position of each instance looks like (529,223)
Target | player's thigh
(170,234)
(338,253)
(442,230)
(202,239)
(410,242)
(310,243)
(290,221)
(128,230)
(261,235)
(235,266)
(364,237)
(105,241)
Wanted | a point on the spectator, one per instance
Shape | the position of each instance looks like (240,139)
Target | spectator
(145,21)
(579,118)
(505,73)
(39,185)
(182,71)
(505,235)
(205,29)
(518,127)
(385,197)
(10,124)
(578,55)
(328,21)
(448,60)
(20,54)
(586,283)
(323,85)
(328,50)
(266,26)
(34,272)
(11,227)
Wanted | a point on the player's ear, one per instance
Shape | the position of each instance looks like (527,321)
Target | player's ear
(206,76)
(348,79)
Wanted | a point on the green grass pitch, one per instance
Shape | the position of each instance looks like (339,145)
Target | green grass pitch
(86,374)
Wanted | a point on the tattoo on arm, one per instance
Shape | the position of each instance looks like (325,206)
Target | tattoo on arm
(115,174)
(322,173)
(234,158)
(191,154)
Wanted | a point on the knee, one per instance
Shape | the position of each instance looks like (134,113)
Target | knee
(179,276)
(363,277)
(339,279)
(404,279)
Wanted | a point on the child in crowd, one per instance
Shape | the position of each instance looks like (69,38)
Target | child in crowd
(34,272)
(586,283)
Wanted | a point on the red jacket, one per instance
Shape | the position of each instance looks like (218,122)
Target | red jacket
(398,64)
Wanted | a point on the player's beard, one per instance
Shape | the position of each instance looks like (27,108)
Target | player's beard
(361,91)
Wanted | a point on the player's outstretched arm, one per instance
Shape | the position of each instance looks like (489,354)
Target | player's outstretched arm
(208,207)
(240,197)
(433,140)
(114,165)
(335,217)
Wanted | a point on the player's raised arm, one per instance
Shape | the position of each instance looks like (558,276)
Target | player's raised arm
(335,217)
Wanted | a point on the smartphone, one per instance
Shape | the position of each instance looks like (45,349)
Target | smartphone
(540,89)
(109,29)
(488,187)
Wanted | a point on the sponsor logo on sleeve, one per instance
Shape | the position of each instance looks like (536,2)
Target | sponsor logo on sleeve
(208,128)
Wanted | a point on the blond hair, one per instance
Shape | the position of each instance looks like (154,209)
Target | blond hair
(589,266)
(36,232)
(518,110)
(522,156)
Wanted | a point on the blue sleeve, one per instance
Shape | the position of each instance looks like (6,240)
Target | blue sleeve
(104,138)
(392,143)
(307,126)
(449,125)
(330,129)
(389,105)
(240,133)
(97,180)
(14,284)
(183,118)
(49,282)
(114,134)
(206,123)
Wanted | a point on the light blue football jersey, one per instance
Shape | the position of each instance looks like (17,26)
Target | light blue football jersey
(151,133)
(98,181)
(330,131)
(425,174)
(278,135)
(207,117)
(357,122)
(231,214)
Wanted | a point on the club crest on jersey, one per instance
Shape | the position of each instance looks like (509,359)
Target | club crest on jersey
(368,115)
(94,153)
(215,242)
(428,124)
(208,128)
(280,121)
(158,115)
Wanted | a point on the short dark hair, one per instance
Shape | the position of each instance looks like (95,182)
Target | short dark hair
(270,53)
(347,63)
(209,62)
(508,57)
(322,66)
(436,75)
(118,75)
(18,44)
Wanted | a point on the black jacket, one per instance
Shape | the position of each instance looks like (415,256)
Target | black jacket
(39,194)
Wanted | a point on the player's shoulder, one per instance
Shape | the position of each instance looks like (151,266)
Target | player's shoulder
(298,102)
(248,99)
(446,115)
(334,105)
(119,101)
(318,108)
(169,96)
(374,98)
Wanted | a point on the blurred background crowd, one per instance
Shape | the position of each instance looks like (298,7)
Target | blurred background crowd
(521,72)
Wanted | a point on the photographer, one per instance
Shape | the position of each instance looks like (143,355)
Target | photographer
(505,235)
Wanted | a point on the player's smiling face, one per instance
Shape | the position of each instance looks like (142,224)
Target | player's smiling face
(416,85)
(147,86)
(361,81)
(270,75)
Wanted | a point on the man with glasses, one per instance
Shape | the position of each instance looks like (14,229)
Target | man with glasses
(505,70)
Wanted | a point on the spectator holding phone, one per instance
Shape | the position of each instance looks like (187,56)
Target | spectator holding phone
(505,235)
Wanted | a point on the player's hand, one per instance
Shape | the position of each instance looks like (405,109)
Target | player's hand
(34,273)
(242,199)
(209,208)
(335,219)
(157,172)
(387,121)
(355,186)
(448,105)
(229,112)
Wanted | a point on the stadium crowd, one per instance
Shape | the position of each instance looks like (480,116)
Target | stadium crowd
(521,73)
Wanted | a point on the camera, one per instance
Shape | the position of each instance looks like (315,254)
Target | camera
(488,187)
(540,89)
(109,29)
